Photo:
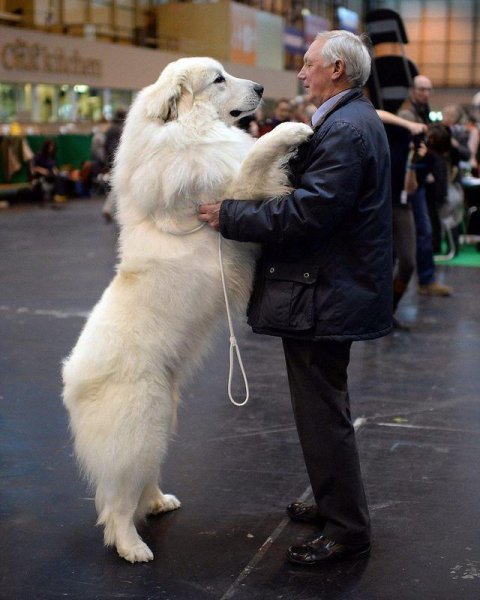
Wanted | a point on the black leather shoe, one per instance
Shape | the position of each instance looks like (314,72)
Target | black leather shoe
(305,513)
(322,549)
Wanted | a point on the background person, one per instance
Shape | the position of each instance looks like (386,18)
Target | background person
(473,142)
(403,156)
(48,183)
(112,140)
(325,280)
(453,118)
(282,113)
(250,125)
(97,147)
(44,171)
(442,164)
(417,109)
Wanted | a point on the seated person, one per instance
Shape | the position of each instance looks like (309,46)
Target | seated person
(48,181)
(44,173)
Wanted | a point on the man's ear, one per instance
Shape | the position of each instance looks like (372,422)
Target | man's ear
(338,69)
(164,95)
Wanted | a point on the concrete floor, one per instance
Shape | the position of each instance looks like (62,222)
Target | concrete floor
(415,397)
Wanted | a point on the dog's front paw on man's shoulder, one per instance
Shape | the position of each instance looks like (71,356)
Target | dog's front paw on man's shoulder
(290,134)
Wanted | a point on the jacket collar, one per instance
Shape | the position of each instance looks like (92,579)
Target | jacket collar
(352,95)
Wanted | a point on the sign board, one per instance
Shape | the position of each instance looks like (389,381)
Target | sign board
(312,25)
(243,43)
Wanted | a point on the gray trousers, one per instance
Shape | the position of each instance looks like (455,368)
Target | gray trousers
(317,376)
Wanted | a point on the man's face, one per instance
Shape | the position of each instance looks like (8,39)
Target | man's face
(316,77)
(421,91)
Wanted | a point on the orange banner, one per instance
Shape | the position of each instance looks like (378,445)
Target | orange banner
(244,34)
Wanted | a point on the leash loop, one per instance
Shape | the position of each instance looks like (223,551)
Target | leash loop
(234,349)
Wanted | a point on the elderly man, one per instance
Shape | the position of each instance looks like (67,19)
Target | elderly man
(324,280)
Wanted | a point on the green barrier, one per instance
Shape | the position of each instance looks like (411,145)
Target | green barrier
(72,149)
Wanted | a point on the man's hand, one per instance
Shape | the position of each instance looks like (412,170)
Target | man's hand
(210,213)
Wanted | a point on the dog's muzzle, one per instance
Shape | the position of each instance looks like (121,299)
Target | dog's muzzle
(258,89)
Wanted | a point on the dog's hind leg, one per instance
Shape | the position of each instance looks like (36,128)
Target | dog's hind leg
(153,501)
(117,508)
(130,462)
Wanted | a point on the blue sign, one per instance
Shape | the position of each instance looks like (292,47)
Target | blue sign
(293,40)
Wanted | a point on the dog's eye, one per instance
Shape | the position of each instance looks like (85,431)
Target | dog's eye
(219,79)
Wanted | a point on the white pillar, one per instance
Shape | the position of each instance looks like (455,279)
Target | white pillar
(54,116)
(35,103)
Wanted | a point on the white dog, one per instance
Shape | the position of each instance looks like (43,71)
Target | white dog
(154,322)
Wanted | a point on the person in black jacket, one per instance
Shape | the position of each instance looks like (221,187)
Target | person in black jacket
(417,109)
(324,280)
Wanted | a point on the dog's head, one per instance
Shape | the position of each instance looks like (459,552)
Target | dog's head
(190,82)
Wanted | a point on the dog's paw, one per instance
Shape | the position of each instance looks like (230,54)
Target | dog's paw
(164,503)
(291,135)
(138,552)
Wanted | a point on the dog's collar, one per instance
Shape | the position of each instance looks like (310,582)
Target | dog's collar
(188,231)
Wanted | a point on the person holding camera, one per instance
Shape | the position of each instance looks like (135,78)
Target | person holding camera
(418,110)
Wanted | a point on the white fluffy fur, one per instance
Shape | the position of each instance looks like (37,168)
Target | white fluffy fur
(155,320)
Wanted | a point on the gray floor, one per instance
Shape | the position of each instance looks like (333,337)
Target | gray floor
(416,403)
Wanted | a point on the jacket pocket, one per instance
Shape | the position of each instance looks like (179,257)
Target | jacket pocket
(287,301)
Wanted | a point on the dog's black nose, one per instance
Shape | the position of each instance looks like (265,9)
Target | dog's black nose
(258,89)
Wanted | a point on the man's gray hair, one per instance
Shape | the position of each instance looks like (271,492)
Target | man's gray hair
(351,49)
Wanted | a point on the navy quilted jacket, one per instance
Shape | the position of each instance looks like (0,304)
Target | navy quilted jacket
(326,267)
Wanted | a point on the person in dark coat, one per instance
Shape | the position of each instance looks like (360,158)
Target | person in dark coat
(417,109)
(112,141)
(324,280)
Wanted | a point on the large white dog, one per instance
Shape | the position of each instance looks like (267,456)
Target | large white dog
(154,322)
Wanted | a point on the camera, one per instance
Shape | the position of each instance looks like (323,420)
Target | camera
(418,139)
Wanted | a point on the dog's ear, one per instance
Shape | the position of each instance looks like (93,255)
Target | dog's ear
(165,94)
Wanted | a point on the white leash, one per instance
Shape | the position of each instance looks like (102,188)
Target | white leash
(233,339)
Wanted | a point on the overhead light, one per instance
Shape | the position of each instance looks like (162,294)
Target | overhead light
(81,89)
